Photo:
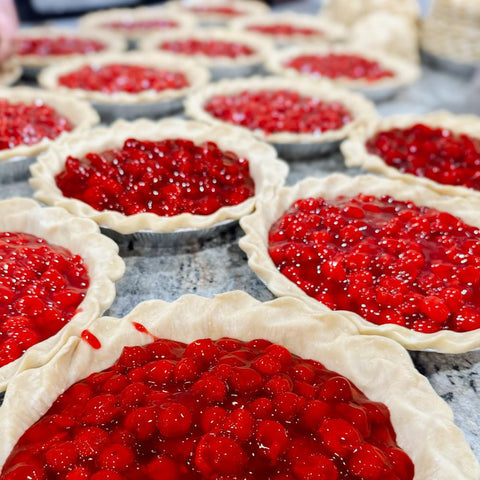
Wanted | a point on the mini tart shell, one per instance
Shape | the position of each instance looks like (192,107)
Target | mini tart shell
(329,31)
(247,7)
(362,110)
(255,245)
(79,113)
(113,43)
(96,20)
(196,75)
(357,155)
(405,73)
(220,66)
(10,72)
(267,171)
(80,236)
(379,367)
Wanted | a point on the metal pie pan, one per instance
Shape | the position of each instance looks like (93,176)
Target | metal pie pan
(111,111)
(449,65)
(300,151)
(379,94)
(15,169)
(177,238)
(234,71)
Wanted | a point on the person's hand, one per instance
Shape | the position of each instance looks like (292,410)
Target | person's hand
(8,27)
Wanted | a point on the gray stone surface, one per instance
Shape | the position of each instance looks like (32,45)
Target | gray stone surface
(219,265)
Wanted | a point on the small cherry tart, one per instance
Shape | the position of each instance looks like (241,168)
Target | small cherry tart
(389,261)
(167,177)
(278,110)
(60,45)
(340,65)
(210,48)
(283,29)
(28,124)
(436,153)
(221,409)
(146,24)
(123,78)
(41,286)
(229,12)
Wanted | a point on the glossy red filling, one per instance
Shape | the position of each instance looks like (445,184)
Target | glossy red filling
(61,45)
(436,153)
(336,65)
(278,111)
(141,24)
(387,260)
(223,11)
(123,78)
(22,124)
(220,409)
(166,177)
(284,29)
(41,286)
(210,48)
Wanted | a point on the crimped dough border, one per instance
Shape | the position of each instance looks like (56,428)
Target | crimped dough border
(329,31)
(255,244)
(95,20)
(113,43)
(261,47)
(10,72)
(405,72)
(267,171)
(356,155)
(80,113)
(362,109)
(380,368)
(80,236)
(197,76)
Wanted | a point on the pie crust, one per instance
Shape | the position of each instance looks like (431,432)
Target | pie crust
(255,244)
(131,105)
(220,66)
(247,7)
(10,72)
(329,31)
(80,236)
(81,114)
(406,73)
(380,368)
(362,110)
(266,170)
(347,12)
(356,155)
(113,43)
(96,20)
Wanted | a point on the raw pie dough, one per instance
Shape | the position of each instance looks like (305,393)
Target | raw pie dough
(266,170)
(380,368)
(255,244)
(80,236)
(356,154)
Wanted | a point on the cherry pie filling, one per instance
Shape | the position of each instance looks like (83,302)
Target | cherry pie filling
(210,48)
(220,409)
(41,286)
(140,24)
(279,111)
(28,124)
(61,45)
(123,78)
(392,262)
(436,153)
(221,11)
(284,29)
(338,65)
(167,177)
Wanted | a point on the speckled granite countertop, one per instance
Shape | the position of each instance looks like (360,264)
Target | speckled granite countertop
(219,265)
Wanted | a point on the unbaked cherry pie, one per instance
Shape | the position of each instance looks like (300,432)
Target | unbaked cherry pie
(211,409)
(127,25)
(210,48)
(59,45)
(284,29)
(41,287)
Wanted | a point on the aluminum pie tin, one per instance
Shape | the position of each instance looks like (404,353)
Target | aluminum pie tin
(443,63)
(223,71)
(112,111)
(175,239)
(15,169)
(379,94)
(301,151)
